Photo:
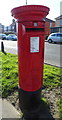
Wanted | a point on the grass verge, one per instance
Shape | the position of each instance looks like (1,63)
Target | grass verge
(52,76)
(9,74)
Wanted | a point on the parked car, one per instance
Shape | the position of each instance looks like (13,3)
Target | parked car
(3,36)
(11,37)
(55,37)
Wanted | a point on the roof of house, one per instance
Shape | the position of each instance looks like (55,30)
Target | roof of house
(49,20)
(59,17)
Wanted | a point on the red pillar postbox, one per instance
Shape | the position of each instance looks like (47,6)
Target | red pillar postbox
(31,30)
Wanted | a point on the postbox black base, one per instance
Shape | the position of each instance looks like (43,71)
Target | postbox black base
(29,103)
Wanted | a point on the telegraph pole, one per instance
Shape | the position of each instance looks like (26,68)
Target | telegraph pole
(26,2)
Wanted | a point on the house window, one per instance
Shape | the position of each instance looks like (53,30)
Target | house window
(60,30)
(13,27)
(50,24)
(60,21)
(9,27)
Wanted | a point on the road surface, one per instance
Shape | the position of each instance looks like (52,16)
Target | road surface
(52,52)
(9,46)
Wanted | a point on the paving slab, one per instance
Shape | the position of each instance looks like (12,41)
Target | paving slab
(0,108)
(8,110)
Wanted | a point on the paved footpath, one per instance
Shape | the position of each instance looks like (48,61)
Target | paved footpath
(8,111)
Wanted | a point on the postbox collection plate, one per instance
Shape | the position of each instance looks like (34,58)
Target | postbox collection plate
(34,44)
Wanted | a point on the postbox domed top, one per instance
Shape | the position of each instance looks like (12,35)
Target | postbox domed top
(30,12)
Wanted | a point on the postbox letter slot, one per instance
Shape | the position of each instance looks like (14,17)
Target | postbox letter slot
(34,29)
